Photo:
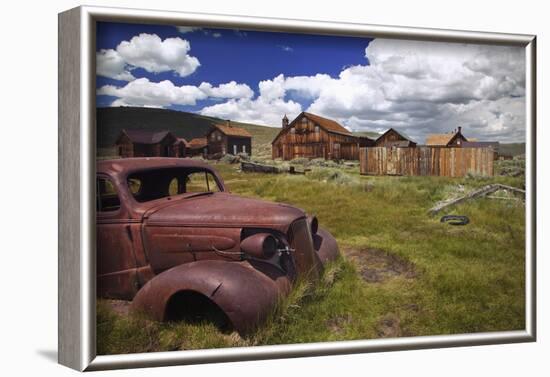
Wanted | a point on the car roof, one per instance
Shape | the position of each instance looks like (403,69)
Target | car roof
(130,165)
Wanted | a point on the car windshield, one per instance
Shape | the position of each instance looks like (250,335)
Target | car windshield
(160,183)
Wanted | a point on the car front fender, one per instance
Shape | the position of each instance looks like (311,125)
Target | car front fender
(246,294)
(326,246)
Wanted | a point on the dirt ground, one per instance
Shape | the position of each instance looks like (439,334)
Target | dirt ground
(377,266)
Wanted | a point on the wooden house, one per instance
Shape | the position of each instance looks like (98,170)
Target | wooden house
(312,136)
(180,147)
(142,143)
(226,138)
(393,138)
(197,147)
(452,139)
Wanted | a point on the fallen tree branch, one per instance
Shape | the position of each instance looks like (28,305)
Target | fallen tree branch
(489,189)
(503,198)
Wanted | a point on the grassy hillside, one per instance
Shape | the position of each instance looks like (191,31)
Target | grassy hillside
(112,120)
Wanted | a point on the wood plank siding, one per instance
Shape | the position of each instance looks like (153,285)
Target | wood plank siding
(311,136)
(447,162)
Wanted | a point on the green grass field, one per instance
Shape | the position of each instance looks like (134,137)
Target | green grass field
(402,272)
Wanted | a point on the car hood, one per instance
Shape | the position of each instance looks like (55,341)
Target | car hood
(223,209)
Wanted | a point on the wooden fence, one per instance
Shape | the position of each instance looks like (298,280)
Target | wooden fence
(447,162)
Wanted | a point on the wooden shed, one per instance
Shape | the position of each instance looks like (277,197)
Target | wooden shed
(312,136)
(226,138)
(142,143)
(394,138)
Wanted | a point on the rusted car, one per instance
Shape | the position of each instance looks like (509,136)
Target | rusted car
(171,238)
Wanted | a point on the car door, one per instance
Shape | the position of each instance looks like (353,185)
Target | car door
(116,261)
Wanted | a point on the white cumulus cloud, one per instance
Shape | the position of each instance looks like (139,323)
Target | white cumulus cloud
(151,53)
(228,90)
(147,51)
(110,64)
(259,111)
(415,87)
(142,92)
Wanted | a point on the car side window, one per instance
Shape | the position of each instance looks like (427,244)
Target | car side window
(201,182)
(106,196)
(174,187)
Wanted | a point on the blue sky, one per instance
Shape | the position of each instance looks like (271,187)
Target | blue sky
(243,56)
(418,88)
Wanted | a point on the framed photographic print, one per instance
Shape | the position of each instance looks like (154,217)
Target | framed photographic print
(236,188)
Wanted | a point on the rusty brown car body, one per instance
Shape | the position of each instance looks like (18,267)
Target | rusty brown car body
(174,246)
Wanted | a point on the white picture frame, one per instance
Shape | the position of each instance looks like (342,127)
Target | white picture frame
(76,189)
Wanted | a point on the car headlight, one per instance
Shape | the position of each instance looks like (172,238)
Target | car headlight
(260,245)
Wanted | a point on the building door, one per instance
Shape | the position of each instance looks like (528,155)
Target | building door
(336,150)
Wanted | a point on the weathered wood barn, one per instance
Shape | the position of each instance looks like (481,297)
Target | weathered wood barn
(312,136)
(393,138)
(141,143)
(226,138)
(452,139)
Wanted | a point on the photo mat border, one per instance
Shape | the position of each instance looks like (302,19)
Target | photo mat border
(76,211)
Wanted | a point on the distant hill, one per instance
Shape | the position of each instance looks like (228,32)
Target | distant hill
(511,149)
(112,120)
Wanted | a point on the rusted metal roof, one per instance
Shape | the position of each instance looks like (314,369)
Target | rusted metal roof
(230,130)
(198,142)
(146,137)
(328,124)
(439,139)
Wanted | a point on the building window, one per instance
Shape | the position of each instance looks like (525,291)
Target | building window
(244,148)
(219,137)
(316,129)
(234,148)
(304,121)
(293,130)
(213,136)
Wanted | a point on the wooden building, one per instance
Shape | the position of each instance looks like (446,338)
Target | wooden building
(393,138)
(180,147)
(226,138)
(197,147)
(452,139)
(141,143)
(312,136)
